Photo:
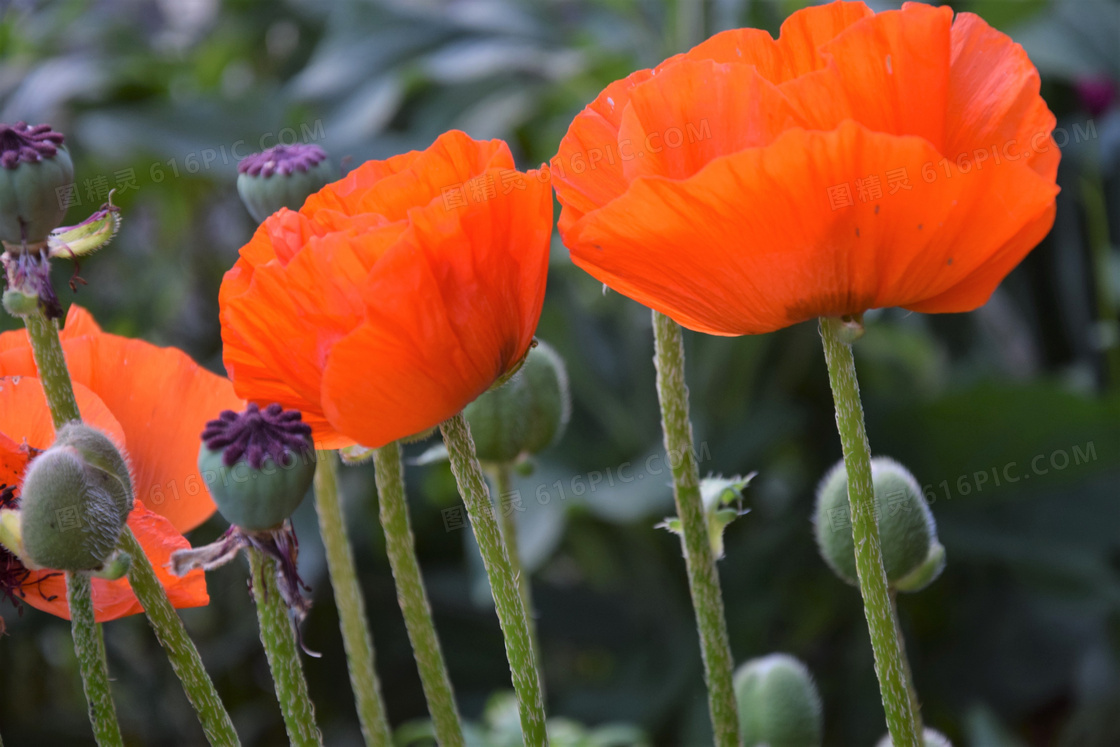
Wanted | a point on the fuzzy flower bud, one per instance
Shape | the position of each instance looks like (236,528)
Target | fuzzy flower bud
(526,414)
(778,703)
(75,500)
(282,176)
(912,555)
(34,166)
(258,465)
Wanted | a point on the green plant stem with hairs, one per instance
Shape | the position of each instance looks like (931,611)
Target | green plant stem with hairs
(703,577)
(503,582)
(400,546)
(278,636)
(348,599)
(903,718)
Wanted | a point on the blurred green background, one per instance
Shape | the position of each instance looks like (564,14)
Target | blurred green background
(1018,643)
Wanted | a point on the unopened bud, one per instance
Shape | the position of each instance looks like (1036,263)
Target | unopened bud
(912,555)
(34,169)
(282,176)
(779,705)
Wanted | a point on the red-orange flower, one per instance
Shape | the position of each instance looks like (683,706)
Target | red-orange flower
(153,403)
(395,296)
(859,161)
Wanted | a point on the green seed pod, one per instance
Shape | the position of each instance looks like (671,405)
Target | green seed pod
(912,556)
(282,176)
(34,170)
(258,465)
(778,703)
(526,414)
(930,738)
(71,511)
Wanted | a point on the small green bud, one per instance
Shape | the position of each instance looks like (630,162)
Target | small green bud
(283,176)
(75,500)
(34,169)
(258,465)
(19,303)
(930,738)
(526,414)
(778,703)
(721,497)
(912,556)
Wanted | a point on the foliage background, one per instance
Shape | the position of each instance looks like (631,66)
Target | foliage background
(1017,644)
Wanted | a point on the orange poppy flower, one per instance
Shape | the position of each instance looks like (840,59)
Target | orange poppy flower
(395,296)
(153,403)
(859,161)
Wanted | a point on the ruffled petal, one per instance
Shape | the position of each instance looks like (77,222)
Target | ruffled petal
(773,247)
(46,590)
(26,419)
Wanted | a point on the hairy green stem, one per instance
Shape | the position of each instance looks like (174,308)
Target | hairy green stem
(703,578)
(282,649)
(180,650)
(89,647)
(503,583)
(912,691)
(51,363)
(903,720)
(400,546)
(352,619)
(503,481)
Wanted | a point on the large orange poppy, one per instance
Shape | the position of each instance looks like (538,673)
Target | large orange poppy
(395,296)
(153,403)
(859,161)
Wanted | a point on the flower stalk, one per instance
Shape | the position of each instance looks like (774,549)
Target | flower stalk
(89,647)
(351,606)
(903,718)
(278,636)
(178,646)
(503,583)
(413,599)
(703,577)
(503,483)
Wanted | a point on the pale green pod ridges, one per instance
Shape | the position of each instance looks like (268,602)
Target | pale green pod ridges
(32,196)
(912,556)
(257,500)
(779,705)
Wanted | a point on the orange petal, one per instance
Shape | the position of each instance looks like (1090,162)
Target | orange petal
(451,308)
(46,590)
(13,460)
(26,419)
(162,399)
(15,351)
(751,243)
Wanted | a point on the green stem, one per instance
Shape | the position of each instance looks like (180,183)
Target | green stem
(351,606)
(401,549)
(279,638)
(903,720)
(703,578)
(503,584)
(915,704)
(503,480)
(51,363)
(89,647)
(180,650)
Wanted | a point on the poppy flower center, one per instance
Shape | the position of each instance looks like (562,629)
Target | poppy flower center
(21,143)
(283,160)
(256,433)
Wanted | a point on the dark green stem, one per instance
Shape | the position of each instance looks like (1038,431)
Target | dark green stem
(180,650)
(503,583)
(903,720)
(400,546)
(703,578)
(503,482)
(352,619)
(51,363)
(89,647)
(282,649)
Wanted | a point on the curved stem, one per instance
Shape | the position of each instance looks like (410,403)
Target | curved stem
(503,584)
(352,618)
(504,483)
(180,650)
(703,578)
(89,647)
(401,549)
(280,645)
(903,720)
